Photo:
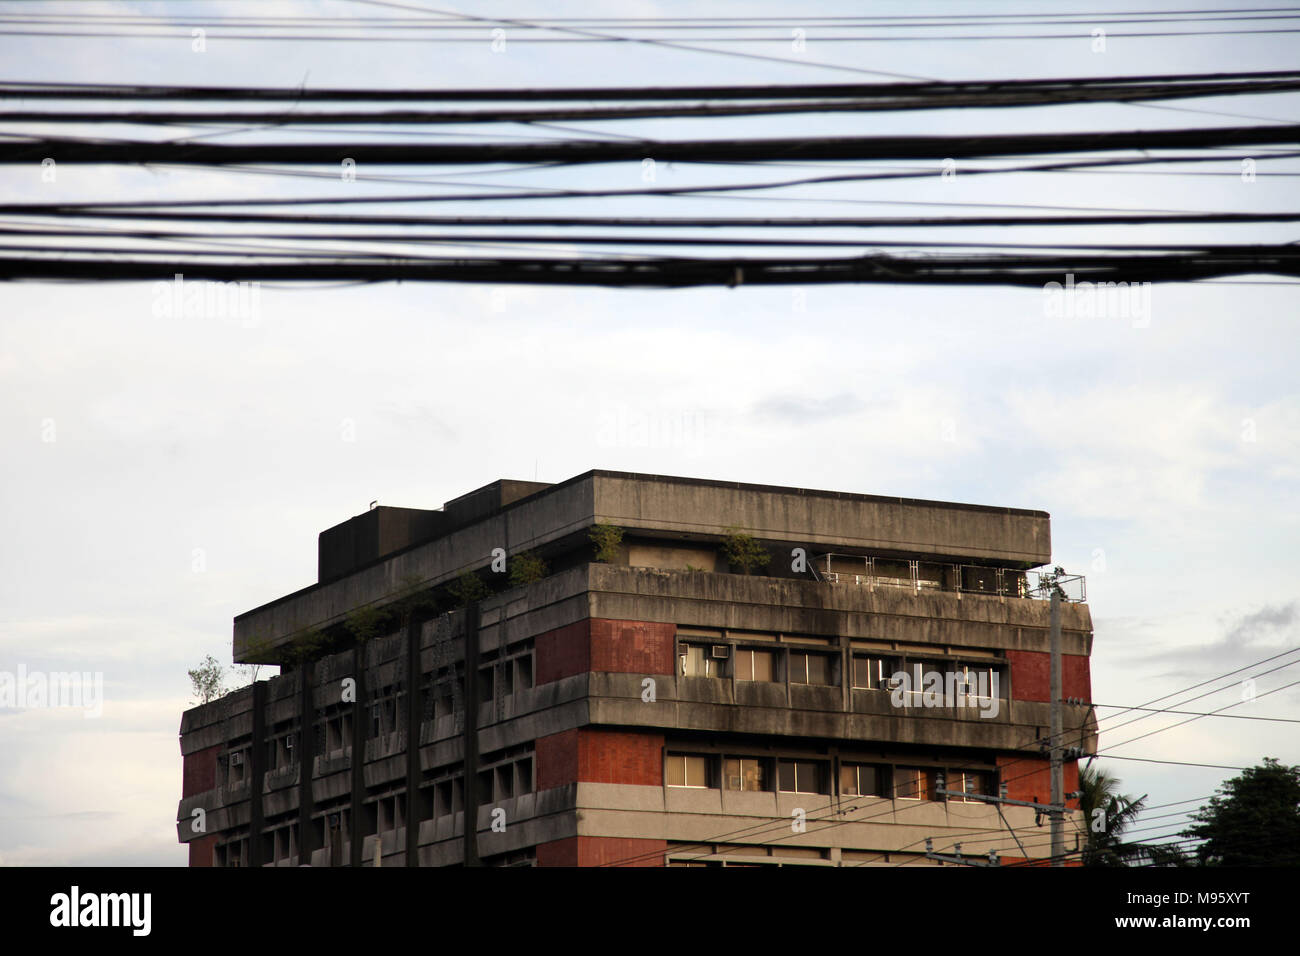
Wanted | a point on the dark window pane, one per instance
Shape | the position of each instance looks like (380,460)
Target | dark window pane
(867,781)
(808,777)
(786,776)
(798,669)
(819,669)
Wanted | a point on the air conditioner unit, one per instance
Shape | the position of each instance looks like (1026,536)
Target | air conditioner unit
(334,821)
(720,651)
(893,683)
(288,742)
(236,760)
(832,576)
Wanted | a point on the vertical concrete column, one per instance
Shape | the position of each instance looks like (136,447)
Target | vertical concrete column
(357,834)
(414,713)
(306,762)
(471,734)
(257,770)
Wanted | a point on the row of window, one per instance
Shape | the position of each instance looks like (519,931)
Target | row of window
(760,774)
(703,660)
(810,667)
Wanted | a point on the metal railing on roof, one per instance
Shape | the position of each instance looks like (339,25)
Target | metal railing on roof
(916,575)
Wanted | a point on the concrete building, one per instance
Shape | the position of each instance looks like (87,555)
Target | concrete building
(652,708)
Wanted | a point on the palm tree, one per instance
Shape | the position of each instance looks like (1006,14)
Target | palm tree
(1107,814)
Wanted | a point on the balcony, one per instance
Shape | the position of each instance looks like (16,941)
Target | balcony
(917,576)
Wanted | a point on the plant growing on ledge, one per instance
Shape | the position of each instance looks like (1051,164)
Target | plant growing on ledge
(305,645)
(367,622)
(527,567)
(469,587)
(413,599)
(743,551)
(606,538)
(208,680)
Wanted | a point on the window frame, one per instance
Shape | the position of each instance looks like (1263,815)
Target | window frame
(706,759)
(769,655)
(820,770)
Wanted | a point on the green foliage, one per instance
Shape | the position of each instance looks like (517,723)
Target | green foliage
(413,598)
(208,681)
(306,645)
(743,551)
(527,567)
(1100,793)
(1253,820)
(469,587)
(367,622)
(606,538)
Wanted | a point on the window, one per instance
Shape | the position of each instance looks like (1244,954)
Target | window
(753,665)
(697,661)
(744,773)
(376,720)
(810,668)
(446,705)
(508,678)
(969,781)
(524,775)
(873,673)
(447,796)
(523,672)
(683,770)
(485,685)
(912,783)
(801,776)
(505,781)
(979,680)
(859,780)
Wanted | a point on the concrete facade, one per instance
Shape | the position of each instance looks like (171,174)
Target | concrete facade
(655,709)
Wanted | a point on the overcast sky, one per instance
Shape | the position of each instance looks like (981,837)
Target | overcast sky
(1167,452)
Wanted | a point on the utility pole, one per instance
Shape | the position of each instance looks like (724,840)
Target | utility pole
(1058,775)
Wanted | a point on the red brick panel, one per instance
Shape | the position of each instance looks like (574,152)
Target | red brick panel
(1030,778)
(1031,675)
(557,760)
(563,652)
(594,755)
(595,644)
(611,756)
(199,771)
(201,850)
(602,851)
(632,647)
